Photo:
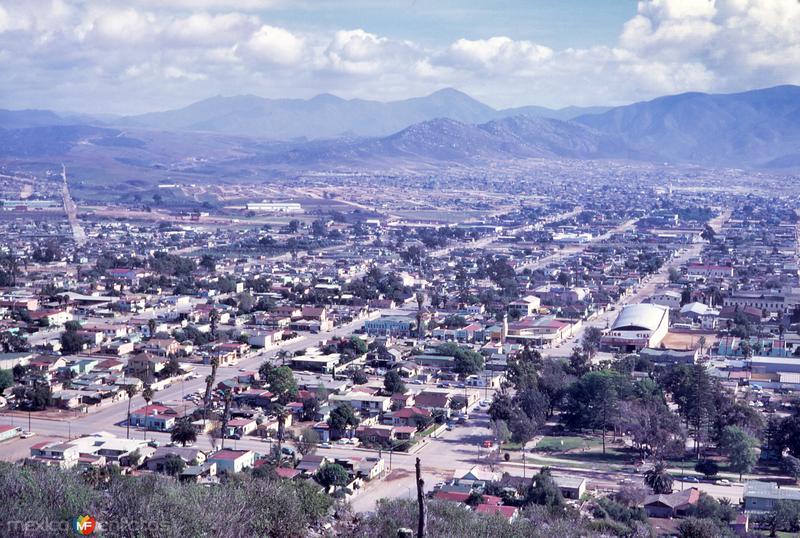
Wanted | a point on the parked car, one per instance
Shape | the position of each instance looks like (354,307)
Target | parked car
(692,479)
(723,482)
(27,434)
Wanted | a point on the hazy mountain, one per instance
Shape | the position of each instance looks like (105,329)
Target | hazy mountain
(754,128)
(324,116)
(759,128)
(20,119)
(52,140)
(565,114)
(446,140)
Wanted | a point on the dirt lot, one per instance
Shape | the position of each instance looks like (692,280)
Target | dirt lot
(687,341)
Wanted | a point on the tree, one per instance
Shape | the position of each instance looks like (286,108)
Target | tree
(534,404)
(590,342)
(342,418)
(465,361)
(208,263)
(652,426)
(147,394)
(784,516)
(151,327)
(658,479)
(701,342)
(791,466)
(475,498)
(543,490)
(332,474)
(279,381)
(593,401)
(174,465)
(502,408)
(130,390)
(71,342)
(501,431)
(522,428)
(739,446)
(554,381)
(393,383)
(213,320)
(693,527)
(6,379)
(709,468)
(309,439)
(359,377)
(172,368)
(209,385)
(310,408)
(183,432)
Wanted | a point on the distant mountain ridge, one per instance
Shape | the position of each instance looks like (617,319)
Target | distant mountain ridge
(753,129)
(328,116)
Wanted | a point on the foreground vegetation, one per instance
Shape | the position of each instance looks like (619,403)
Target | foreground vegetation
(157,506)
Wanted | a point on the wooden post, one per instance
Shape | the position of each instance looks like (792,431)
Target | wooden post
(420,502)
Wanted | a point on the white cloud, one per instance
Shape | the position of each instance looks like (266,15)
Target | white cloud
(276,45)
(498,54)
(362,53)
(220,46)
(205,29)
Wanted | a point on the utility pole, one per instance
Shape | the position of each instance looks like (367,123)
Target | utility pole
(420,502)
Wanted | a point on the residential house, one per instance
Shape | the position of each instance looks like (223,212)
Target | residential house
(232,461)
(673,504)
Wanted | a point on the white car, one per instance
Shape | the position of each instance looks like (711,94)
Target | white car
(27,434)
(324,445)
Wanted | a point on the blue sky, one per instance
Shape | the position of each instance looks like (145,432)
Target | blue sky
(558,24)
(133,56)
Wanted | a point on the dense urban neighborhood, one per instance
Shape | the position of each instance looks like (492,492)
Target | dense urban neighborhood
(604,360)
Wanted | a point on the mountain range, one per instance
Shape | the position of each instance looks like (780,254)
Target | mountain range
(755,129)
(328,116)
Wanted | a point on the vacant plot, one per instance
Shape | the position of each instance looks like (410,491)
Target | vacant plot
(566,443)
(675,340)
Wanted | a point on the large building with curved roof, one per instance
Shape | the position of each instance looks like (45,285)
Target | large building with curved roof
(637,326)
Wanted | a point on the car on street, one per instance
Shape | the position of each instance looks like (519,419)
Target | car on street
(27,434)
(324,445)
(723,482)
(692,479)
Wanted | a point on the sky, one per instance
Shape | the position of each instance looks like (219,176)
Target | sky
(134,56)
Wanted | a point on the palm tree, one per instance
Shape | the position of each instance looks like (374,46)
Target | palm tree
(702,342)
(151,327)
(225,416)
(213,319)
(658,479)
(420,302)
(281,413)
(131,391)
(183,432)
(147,394)
(209,384)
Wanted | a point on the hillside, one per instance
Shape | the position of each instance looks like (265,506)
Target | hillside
(755,128)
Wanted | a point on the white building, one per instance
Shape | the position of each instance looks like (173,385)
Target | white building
(669,298)
(638,326)
(275,207)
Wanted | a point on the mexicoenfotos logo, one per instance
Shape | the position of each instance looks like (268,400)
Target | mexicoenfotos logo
(84,525)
